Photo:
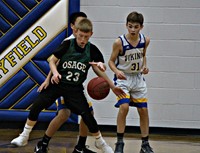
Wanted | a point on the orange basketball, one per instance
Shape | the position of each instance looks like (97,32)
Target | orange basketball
(98,88)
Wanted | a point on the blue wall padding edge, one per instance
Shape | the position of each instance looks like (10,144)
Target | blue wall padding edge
(13,115)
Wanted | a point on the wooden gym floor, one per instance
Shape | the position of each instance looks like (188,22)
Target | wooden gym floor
(64,142)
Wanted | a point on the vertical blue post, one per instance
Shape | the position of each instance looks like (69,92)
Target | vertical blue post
(74,6)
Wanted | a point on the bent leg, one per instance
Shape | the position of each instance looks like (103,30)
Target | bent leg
(22,139)
(83,129)
(58,120)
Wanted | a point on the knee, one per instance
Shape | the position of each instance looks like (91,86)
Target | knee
(91,123)
(34,113)
(63,114)
(124,108)
(143,111)
(36,108)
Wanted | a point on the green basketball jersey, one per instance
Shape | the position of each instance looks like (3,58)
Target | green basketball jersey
(74,65)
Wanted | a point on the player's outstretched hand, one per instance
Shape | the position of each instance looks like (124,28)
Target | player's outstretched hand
(119,92)
(100,65)
(44,85)
(120,75)
(56,78)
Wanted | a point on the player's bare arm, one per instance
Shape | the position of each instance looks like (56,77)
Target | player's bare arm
(117,49)
(100,65)
(145,69)
(56,76)
(45,84)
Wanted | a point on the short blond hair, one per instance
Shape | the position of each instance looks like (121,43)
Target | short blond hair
(84,25)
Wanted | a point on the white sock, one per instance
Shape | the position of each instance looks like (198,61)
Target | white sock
(99,139)
(27,130)
(98,136)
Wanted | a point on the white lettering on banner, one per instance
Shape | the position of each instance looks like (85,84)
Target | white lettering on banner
(22,49)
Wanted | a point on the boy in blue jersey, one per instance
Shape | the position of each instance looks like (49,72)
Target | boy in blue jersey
(128,62)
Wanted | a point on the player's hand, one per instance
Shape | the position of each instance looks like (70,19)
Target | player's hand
(119,92)
(145,70)
(120,75)
(100,65)
(55,78)
(44,85)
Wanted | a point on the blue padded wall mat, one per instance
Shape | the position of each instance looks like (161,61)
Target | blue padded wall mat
(43,65)
(22,116)
(12,83)
(4,25)
(9,15)
(34,73)
(27,100)
(17,7)
(19,92)
(30,3)
(25,23)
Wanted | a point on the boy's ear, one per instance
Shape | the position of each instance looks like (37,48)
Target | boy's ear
(75,30)
(91,33)
(71,25)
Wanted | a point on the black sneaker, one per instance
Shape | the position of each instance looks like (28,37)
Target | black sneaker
(145,148)
(119,147)
(40,149)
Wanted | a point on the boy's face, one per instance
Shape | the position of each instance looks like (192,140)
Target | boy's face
(133,28)
(82,38)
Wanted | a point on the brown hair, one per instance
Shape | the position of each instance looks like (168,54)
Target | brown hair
(85,25)
(135,17)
